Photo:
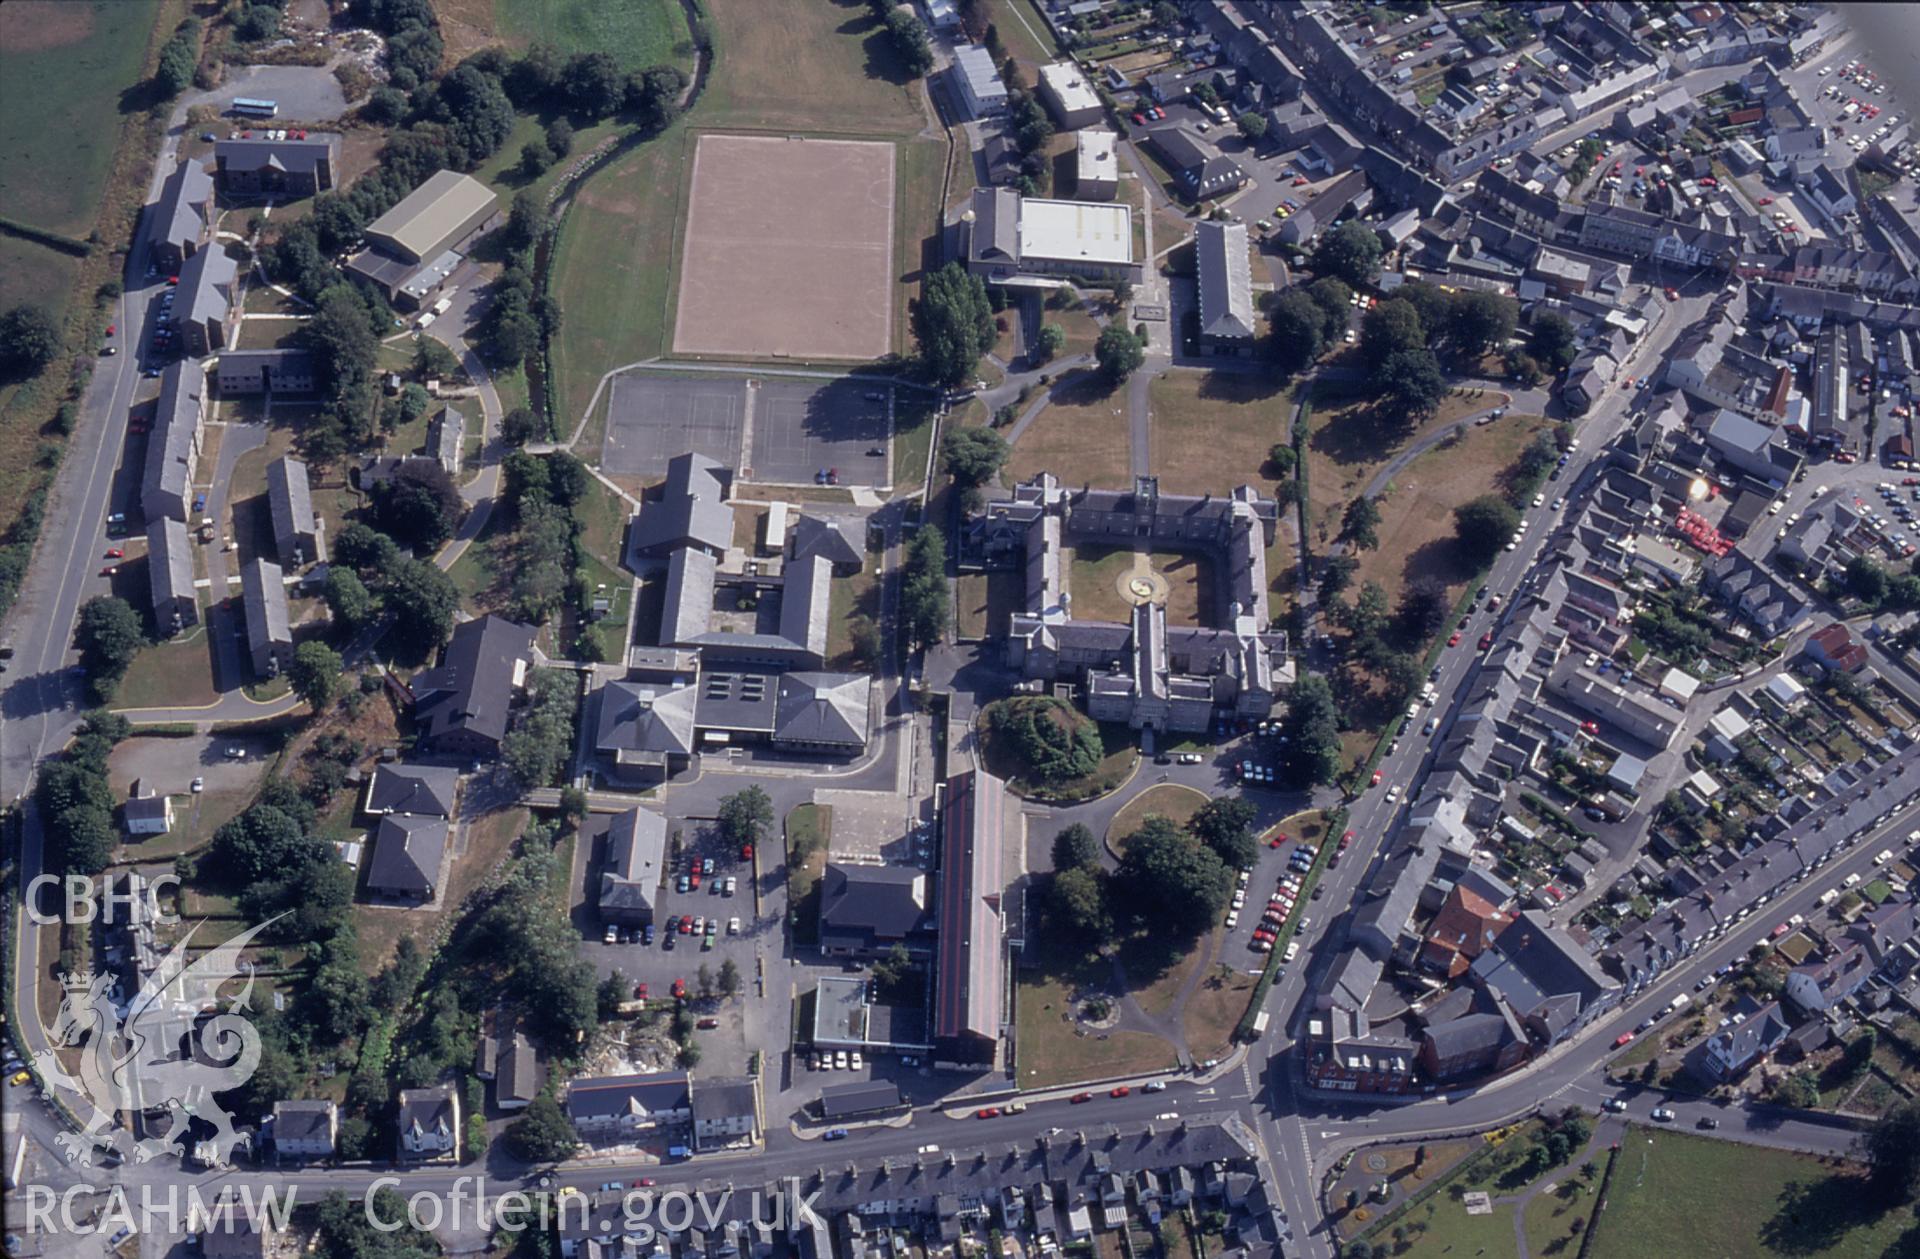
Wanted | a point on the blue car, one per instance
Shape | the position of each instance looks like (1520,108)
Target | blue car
(833,1134)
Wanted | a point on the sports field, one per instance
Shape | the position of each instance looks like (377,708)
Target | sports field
(789,245)
(638,33)
(64,65)
(807,65)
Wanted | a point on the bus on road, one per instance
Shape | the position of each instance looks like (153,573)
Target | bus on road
(252,108)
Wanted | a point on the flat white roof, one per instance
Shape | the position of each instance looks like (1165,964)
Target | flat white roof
(1069,86)
(1087,231)
(1095,156)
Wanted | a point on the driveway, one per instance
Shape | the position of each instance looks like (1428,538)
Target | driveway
(305,93)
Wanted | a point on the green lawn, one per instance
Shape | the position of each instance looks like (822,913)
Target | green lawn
(32,272)
(1676,1194)
(639,33)
(65,67)
(809,840)
(176,673)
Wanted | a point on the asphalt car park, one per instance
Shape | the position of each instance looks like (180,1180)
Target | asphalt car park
(802,430)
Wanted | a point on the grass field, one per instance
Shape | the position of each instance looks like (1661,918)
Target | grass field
(1052,1047)
(983,601)
(1082,436)
(1170,800)
(1349,441)
(806,64)
(177,673)
(1211,431)
(32,272)
(638,33)
(1214,1010)
(65,64)
(1416,513)
(809,840)
(1678,1194)
(1095,574)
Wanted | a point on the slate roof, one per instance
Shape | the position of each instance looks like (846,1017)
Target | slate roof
(292,156)
(1226,280)
(301,1120)
(611,1096)
(176,424)
(406,853)
(840,1100)
(206,286)
(1532,962)
(722,1098)
(263,593)
(636,717)
(804,604)
(692,509)
(822,707)
(831,539)
(472,687)
(636,855)
(291,504)
(427,790)
(182,212)
(867,906)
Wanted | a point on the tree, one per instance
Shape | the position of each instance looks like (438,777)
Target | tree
(1391,327)
(1077,903)
(1484,525)
(419,504)
(520,426)
(1350,251)
(1075,848)
(1336,574)
(1412,381)
(1119,353)
(258,844)
(1892,1148)
(729,978)
(29,340)
(362,547)
(524,218)
(593,84)
(1167,878)
(1866,580)
(1479,321)
(315,673)
(414,401)
(910,42)
(954,324)
(560,137)
(973,455)
(1424,607)
(422,600)
(746,815)
(1295,333)
(109,636)
(1166,13)
(1311,755)
(1053,743)
(925,601)
(611,995)
(1252,126)
(542,1134)
(1552,341)
(1360,525)
(1225,824)
(653,94)
(1048,342)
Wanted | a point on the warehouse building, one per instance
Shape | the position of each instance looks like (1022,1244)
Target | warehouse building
(414,247)
(1065,89)
(1015,240)
(1226,288)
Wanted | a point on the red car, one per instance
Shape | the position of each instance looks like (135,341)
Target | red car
(1157,113)
(115,553)
(1377,775)
(109,570)
(136,426)
(1346,841)
(1276,841)
(1623,1038)
(693,881)
(1122,1091)
(173,279)
(987,1112)
(1765,201)
(1791,227)
(1077,1098)
(679,989)
(1139,119)
(1486,640)
(1453,639)
(640,992)
(1910,480)
(645,1182)
(1301,181)
(1591,727)
(1673,294)
(111,328)
(686,924)
(746,852)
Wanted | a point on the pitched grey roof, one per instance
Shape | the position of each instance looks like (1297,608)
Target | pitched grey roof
(840,1100)
(445,433)
(517,1077)
(1226,280)
(832,539)
(722,1098)
(870,906)
(301,1120)
(641,718)
(804,602)
(599,1097)
(692,509)
(689,595)
(206,286)
(822,707)
(1532,961)
(169,567)
(181,213)
(291,504)
(427,790)
(996,224)
(472,688)
(636,855)
(406,853)
(292,156)
(263,592)
(170,441)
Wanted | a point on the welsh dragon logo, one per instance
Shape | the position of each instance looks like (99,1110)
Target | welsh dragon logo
(165,1052)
